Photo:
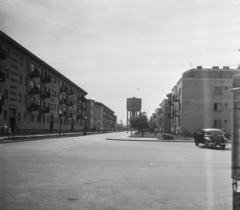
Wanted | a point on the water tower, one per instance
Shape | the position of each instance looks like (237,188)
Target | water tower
(134,106)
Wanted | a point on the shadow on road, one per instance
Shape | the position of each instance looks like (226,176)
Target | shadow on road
(214,148)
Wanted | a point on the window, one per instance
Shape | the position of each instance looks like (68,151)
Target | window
(26,81)
(25,99)
(217,107)
(4,115)
(19,116)
(32,67)
(6,72)
(217,123)
(43,119)
(25,117)
(32,118)
(20,79)
(31,84)
(217,91)
(5,94)
(7,51)
(40,71)
(47,119)
(19,98)
(27,63)
(39,118)
(21,60)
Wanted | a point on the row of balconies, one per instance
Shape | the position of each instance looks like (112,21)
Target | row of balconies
(44,109)
(37,107)
(47,79)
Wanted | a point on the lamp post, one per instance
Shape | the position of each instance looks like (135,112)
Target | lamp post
(98,126)
(60,114)
(84,128)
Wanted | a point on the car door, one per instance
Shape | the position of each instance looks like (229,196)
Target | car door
(198,136)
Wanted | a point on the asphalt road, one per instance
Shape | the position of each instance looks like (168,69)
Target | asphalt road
(92,173)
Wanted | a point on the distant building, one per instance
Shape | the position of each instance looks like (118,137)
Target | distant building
(37,98)
(99,117)
(165,116)
(202,99)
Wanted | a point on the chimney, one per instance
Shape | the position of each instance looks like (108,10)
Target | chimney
(215,67)
(199,67)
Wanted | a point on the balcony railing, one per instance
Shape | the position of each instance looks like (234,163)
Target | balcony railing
(45,94)
(2,77)
(79,117)
(44,109)
(69,103)
(46,79)
(70,92)
(33,107)
(176,98)
(63,101)
(63,89)
(34,73)
(33,89)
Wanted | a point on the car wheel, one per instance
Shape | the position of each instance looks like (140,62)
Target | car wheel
(196,143)
(223,146)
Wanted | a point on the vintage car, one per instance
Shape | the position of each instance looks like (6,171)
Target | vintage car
(210,137)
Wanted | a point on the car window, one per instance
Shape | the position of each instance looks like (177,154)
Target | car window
(214,133)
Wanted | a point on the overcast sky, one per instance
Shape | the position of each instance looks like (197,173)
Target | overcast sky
(117,49)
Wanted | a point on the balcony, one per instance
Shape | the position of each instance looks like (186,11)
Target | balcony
(33,90)
(63,101)
(2,77)
(63,89)
(46,79)
(84,108)
(33,107)
(79,117)
(34,73)
(70,92)
(176,98)
(83,99)
(69,103)
(44,109)
(45,94)
(79,107)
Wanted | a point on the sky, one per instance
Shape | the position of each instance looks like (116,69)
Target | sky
(119,49)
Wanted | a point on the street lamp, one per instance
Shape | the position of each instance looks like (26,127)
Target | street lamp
(60,114)
(98,126)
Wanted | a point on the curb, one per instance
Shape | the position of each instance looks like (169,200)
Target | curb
(32,138)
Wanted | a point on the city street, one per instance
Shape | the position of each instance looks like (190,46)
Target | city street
(92,173)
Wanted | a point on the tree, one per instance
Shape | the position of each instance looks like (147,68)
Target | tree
(140,122)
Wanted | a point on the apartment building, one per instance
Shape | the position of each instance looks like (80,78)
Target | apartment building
(37,98)
(165,116)
(202,99)
(90,116)
(104,118)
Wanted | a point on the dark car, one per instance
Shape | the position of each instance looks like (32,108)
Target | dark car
(210,137)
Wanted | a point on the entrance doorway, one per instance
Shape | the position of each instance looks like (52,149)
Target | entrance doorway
(13,123)
(72,126)
(51,123)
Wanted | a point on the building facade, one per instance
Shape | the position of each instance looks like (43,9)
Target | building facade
(165,116)
(202,99)
(99,117)
(37,98)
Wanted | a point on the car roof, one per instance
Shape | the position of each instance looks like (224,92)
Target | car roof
(211,129)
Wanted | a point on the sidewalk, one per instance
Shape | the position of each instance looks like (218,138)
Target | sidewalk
(28,137)
(126,137)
